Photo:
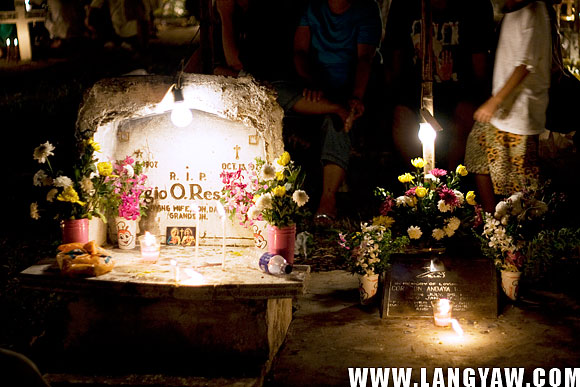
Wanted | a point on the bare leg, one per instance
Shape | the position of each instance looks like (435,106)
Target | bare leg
(405,130)
(332,178)
(486,194)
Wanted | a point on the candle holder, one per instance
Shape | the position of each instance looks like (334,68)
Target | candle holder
(150,247)
(442,312)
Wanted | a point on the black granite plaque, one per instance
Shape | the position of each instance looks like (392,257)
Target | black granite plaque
(414,280)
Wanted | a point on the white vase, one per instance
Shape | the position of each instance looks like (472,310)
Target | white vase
(97,231)
(367,287)
(126,233)
(510,282)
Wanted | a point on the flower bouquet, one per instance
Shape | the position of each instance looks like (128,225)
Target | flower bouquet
(266,192)
(432,208)
(71,195)
(367,251)
(127,201)
(527,233)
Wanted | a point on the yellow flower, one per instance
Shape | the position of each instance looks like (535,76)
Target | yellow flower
(255,198)
(406,178)
(284,159)
(95,145)
(105,168)
(385,221)
(461,170)
(279,191)
(470,198)
(280,175)
(69,195)
(418,162)
(421,192)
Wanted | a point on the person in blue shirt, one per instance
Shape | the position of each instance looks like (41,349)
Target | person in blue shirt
(334,47)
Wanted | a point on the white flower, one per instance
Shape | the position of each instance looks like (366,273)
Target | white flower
(438,234)
(406,201)
(453,223)
(500,210)
(51,194)
(129,171)
(43,151)
(34,211)
(414,232)
(442,206)
(300,197)
(254,212)
(268,172)
(459,196)
(87,185)
(433,178)
(264,202)
(516,202)
(39,178)
(63,181)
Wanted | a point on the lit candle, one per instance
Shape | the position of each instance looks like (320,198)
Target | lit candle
(427,136)
(175,270)
(442,312)
(222,213)
(150,247)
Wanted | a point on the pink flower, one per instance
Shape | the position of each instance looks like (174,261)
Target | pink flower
(448,196)
(387,205)
(437,172)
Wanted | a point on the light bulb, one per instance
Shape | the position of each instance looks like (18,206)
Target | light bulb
(426,133)
(181,115)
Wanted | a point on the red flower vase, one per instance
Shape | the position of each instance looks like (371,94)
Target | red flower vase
(281,241)
(75,230)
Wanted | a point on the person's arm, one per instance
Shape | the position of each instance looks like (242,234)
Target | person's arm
(487,110)
(366,53)
(302,64)
(231,50)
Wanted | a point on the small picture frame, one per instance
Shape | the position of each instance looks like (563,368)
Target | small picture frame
(180,236)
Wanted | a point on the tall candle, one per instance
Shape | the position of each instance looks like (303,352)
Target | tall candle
(175,270)
(427,136)
(222,213)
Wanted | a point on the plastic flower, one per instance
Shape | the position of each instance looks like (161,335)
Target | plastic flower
(34,211)
(128,170)
(264,202)
(69,195)
(470,198)
(284,159)
(406,178)
(105,168)
(279,191)
(461,170)
(63,181)
(418,162)
(268,172)
(87,185)
(42,152)
(254,212)
(421,192)
(300,197)
(414,232)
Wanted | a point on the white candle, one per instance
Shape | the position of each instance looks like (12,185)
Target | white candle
(175,270)
(149,247)
(427,136)
(222,213)
(442,312)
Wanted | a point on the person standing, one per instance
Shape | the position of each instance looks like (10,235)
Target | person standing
(502,148)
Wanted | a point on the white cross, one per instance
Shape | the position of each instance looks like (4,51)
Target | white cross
(21,18)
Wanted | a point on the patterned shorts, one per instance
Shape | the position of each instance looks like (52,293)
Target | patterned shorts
(510,159)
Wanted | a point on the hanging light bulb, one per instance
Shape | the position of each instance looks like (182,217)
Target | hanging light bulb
(181,115)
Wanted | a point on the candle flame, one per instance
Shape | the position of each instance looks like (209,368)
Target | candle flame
(456,327)
(149,239)
(444,305)
(8,42)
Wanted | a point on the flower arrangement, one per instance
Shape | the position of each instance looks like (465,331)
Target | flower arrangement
(526,232)
(367,251)
(75,193)
(432,208)
(127,182)
(266,192)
